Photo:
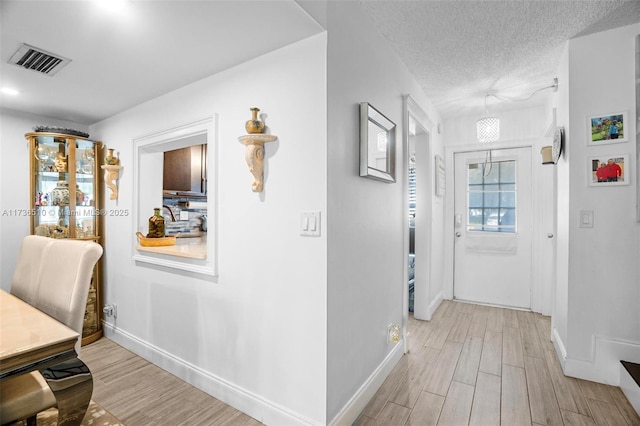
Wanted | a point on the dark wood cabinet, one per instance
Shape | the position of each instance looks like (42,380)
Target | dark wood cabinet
(185,170)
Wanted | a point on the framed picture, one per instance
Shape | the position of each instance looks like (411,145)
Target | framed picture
(608,170)
(606,129)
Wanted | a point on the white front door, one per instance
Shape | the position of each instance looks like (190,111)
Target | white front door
(493,227)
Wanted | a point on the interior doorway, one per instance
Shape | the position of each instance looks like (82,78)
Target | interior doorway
(420,192)
(493,227)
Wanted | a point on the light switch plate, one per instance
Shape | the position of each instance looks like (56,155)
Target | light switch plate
(586,219)
(310,224)
(184,215)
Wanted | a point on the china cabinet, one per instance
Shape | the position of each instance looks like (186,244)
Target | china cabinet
(65,202)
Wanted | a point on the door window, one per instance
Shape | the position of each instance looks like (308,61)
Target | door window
(491,196)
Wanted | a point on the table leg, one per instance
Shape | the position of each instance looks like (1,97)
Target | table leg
(72,384)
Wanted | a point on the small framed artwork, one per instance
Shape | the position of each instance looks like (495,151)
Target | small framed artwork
(608,170)
(606,129)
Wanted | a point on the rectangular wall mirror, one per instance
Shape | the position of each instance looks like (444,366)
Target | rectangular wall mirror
(377,145)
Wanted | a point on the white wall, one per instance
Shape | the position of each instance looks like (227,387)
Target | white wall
(561,291)
(603,325)
(254,336)
(365,217)
(14,183)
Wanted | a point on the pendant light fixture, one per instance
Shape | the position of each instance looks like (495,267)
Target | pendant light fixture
(488,127)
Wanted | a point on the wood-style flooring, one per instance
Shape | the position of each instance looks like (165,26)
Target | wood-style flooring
(139,393)
(480,365)
(469,365)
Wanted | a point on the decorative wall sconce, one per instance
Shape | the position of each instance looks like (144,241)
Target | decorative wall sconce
(254,155)
(111,169)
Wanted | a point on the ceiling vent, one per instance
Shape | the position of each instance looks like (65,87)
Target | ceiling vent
(33,58)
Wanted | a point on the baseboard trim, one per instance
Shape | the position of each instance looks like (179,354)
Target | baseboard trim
(261,409)
(359,401)
(435,303)
(604,364)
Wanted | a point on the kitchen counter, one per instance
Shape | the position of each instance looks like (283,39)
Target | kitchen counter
(193,248)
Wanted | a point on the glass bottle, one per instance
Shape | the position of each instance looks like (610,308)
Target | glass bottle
(156,224)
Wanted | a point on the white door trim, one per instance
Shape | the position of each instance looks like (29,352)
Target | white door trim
(413,110)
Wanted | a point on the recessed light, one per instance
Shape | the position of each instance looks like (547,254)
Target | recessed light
(10,91)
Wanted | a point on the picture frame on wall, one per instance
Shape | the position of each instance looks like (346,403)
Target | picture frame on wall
(608,170)
(607,129)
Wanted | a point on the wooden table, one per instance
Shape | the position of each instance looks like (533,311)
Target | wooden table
(31,340)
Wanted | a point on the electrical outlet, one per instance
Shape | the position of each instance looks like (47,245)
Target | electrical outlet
(393,333)
(110,311)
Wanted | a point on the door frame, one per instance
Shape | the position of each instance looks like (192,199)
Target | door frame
(412,111)
(538,302)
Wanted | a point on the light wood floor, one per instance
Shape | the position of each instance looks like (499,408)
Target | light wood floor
(139,393)
(479,365)
(470,364)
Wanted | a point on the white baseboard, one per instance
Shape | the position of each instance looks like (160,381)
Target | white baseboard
(630,389)
(249,403)
(604,365)
(359,401)
(435,303)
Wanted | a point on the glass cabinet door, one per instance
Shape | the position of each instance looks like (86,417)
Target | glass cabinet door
(65,187)
(51,215)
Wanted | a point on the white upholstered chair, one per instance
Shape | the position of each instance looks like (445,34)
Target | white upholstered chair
(54,276)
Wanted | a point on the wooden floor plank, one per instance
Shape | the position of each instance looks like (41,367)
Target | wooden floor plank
(486,401)
(467,368)
(397,375)
(605,413)
(515,397)
(393,414)
(567,389)
(441,373)
(542,398)
(626,409)
(426,410)
(457,405)
(531,344)
(511,318)
(491,359)
(512,352)
(495,320)
(575,419)
(409,388)
(460,327)
(479,323)
(596,391)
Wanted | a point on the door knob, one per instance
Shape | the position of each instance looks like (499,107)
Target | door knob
(458,234)
(549,235)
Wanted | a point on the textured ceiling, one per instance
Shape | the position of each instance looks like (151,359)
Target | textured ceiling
(457,50)
(460,50)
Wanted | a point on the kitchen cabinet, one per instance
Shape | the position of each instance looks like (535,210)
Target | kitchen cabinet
(185,170)
(65,203)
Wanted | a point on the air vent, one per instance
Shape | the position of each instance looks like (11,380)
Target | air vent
(39,60)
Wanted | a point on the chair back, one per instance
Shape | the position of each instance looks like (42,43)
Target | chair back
(54,276)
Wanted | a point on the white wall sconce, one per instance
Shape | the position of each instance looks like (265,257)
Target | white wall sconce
(112,170)
(254,155)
